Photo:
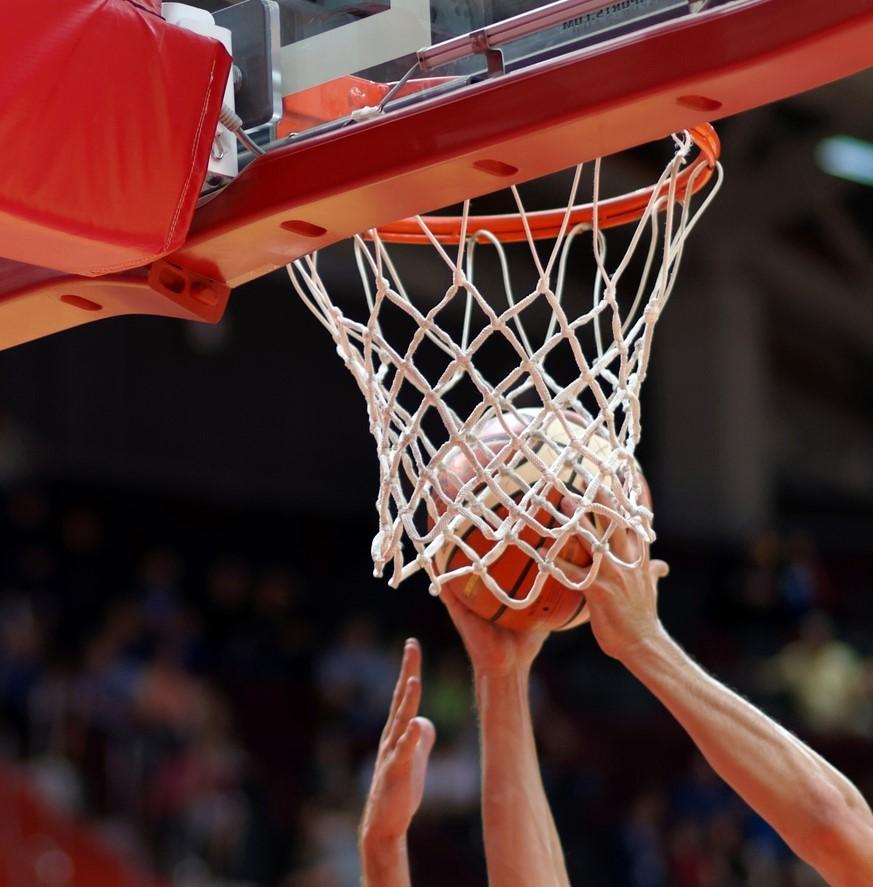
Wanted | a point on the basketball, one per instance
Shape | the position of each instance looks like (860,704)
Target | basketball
(558,607)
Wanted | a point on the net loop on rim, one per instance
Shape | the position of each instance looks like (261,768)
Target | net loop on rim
(489,406)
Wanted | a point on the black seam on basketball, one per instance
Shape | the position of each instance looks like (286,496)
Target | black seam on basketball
(476,490)
(582,600)
(502,608)
(456,548)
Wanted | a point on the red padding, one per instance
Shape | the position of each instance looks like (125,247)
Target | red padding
(36,833)
(107,123)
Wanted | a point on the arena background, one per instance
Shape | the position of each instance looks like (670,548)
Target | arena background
(195,660)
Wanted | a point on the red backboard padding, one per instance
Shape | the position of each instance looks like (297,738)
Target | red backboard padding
(107,123)
(39,845)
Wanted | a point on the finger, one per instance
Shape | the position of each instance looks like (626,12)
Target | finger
(603,495)
(597,524)
(419,733)
(459,612)
(400,686)
(406,711)
(612,531)
(410,666)
(451,602)
(427,734)
(404,751)
(623,543)
(412,653)
(589,520)
(602,585)
(473,629)
(574,572)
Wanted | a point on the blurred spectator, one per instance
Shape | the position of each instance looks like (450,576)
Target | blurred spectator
(725,834)
(453,779)
(356,677)
(642,842)
(196,796)
(690,862)
(159,587)
(804,583)
(449,696)
(167,698)
(274,640)
(228,587)
(22,648)
(215,717)
(86,569)
(330,857)
(760,586)
(701,795)
(823,677)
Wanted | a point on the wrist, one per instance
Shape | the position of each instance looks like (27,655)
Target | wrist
(502,677)
(373,838)
(502,690)
(647,651)
(384,859)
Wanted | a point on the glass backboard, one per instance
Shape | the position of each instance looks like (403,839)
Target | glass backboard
(379,40)
(331,52)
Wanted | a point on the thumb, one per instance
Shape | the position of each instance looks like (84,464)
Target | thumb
(659,570)
(417,740)
(427,735)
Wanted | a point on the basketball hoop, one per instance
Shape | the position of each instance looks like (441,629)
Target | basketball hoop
(547,224)
(440,371)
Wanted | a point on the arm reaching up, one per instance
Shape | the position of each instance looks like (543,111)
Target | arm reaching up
(398,780)
(817,811)
(522,847)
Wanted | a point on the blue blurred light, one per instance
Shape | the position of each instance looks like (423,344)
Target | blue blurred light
(846,158)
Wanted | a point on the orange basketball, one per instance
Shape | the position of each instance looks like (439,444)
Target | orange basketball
(558,607)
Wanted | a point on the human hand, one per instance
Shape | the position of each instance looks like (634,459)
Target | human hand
(623,602)
(407,739)
(492,650)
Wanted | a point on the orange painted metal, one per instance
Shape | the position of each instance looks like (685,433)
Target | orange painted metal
(40,305)
(441,150)
(545,224)
(340,97)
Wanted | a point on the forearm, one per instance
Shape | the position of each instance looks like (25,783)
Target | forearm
(818,812)
(384,862)
(521,842)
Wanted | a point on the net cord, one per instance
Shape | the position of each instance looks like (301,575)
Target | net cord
(412,467)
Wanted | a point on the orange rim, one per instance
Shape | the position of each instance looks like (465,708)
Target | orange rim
(509,228)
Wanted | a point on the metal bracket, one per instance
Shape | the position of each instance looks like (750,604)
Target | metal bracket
(493,57)
(254,28)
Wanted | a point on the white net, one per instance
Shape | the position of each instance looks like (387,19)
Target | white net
(489,408)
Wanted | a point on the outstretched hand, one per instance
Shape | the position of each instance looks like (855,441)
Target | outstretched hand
(407,739)
(623,602)
(492,650)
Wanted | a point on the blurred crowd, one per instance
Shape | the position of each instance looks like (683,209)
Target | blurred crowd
(205,686)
